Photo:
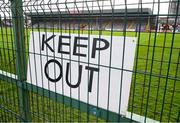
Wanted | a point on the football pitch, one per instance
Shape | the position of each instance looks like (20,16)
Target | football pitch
(155,81)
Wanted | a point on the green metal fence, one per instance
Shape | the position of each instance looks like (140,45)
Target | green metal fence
(155,81)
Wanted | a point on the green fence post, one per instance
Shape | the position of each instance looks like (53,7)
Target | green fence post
(21,65)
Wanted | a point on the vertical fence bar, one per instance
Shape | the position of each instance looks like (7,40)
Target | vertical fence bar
(19,40)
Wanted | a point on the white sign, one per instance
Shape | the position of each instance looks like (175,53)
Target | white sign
(84,67)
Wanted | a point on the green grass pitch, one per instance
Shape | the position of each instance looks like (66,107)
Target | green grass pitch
(150,48)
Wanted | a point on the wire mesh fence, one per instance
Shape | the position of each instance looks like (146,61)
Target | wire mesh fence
(74,61)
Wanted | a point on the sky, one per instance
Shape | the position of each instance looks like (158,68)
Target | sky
(103,4)
(106,4)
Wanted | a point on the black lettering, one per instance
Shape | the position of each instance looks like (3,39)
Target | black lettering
(61,43)
(106,45)
(79,45)
(46,70)
(45,42)
(79,76)
(92,69)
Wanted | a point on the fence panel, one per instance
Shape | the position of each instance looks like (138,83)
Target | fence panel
(90,61)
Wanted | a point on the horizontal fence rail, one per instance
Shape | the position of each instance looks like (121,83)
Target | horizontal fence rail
(89,61)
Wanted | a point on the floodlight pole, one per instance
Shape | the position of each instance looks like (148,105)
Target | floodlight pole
(21,64)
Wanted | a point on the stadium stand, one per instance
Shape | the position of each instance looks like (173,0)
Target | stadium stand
(98,22)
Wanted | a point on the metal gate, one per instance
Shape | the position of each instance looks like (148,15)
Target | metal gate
(154,76)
